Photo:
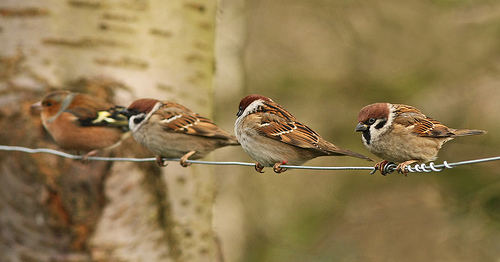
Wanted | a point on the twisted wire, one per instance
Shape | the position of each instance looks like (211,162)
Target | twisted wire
(388,168)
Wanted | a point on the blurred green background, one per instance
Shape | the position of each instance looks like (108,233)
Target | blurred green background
(323,60)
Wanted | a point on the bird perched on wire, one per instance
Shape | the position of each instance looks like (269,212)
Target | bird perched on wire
(273,137)
(402,134)
(171,130)
(81,122)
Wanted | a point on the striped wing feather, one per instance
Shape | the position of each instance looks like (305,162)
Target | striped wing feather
(423,126)
(290,132)
(177,118)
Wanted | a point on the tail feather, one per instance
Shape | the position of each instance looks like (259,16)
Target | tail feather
(337,151)
(232,141)
(345,152)
(333,150)
(467,132)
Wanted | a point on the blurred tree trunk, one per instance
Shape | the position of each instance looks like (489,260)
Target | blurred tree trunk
(54,209)
(229,220)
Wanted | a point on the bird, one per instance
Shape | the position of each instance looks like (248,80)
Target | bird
(403,134)
(81,122)
(171,130)
(273,137)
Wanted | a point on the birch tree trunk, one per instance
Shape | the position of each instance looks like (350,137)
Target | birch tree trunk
(52,209)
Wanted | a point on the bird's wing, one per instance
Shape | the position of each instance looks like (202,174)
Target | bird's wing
(177,118)
(422,125)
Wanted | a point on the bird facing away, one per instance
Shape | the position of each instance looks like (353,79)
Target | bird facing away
(81,122)
(402,134)
(272,136)
(171,130)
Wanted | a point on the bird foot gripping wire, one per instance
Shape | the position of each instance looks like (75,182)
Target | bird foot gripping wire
(385,167)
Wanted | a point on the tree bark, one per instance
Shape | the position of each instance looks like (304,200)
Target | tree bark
(55,209)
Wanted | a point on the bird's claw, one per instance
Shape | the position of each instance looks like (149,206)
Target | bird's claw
(259,167)
(160,162)
(277,167)
(381,167)
(184,163)
(185,157)
(402,167)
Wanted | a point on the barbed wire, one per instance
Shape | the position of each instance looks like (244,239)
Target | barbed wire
(388,168)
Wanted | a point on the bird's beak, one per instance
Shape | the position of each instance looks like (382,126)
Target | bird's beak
(361,127)
(125,112)
(240,111)
(36,108)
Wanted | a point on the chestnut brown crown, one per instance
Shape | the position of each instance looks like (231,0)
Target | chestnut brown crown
(247,100)
(374,111)
(144,105)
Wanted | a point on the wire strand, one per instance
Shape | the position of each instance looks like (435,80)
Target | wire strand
(389,168)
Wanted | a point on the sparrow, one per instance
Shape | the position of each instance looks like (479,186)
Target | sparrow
(402,134)
(81,122)
(274,137)
(171,130)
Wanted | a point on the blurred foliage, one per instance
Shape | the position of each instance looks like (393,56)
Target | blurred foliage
(323,60)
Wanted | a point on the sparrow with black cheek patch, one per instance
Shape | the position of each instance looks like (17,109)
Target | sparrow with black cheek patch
(402,134)
(272,136)
(170,130)
(81,122)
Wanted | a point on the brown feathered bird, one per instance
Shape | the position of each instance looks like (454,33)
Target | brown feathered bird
(402,134)
(81,122)
(171,130)
(272,136)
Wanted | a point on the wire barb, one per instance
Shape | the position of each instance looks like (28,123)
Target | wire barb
(388,168)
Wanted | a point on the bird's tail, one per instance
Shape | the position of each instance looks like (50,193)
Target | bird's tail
(233,142)
(333,150)
(467,132)
(345,152)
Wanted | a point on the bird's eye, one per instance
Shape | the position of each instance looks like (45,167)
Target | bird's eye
(371,120)
(48,103)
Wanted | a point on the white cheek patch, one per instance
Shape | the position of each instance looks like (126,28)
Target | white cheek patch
(252,108)
(248,110)
(135,126)
(376,133)
(132,124)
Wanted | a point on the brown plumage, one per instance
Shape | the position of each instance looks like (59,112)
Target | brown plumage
(273,136)
(81,122)
(171,130)
(401,133)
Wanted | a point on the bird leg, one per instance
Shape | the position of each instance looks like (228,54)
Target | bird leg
(185,157)
(86,156)
(402,167)
(381,167)
(277,167)
(259,167)
(159,161)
